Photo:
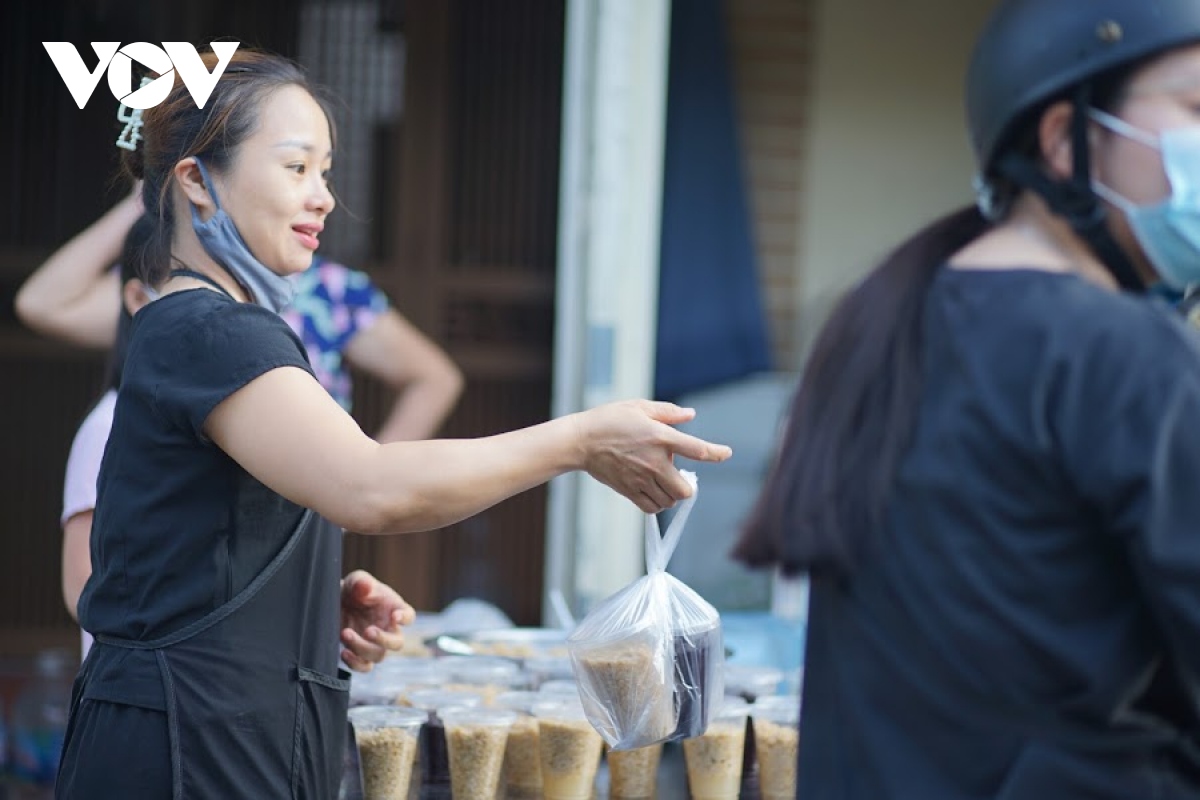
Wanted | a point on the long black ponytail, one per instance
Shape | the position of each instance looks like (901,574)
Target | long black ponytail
(853,413)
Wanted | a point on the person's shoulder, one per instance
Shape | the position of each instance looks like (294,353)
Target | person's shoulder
(1123,340)
(1122,323)
(1076,320)
(1060,299)
(203,324)
(202,309)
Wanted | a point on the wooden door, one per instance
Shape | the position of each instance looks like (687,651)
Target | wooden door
(454,214)
(60,164)
(465,246)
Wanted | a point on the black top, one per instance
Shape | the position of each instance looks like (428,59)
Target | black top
(1040,567)
(180,527)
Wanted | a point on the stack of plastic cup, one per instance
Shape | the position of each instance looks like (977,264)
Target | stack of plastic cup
(751,682)
(548,668)
(560,686)
(570,748)
(409,674)
(475,740)
(777,742)
(714,759)
(435,763)
(386,738)
(522,754)
(489,676)
(633,774)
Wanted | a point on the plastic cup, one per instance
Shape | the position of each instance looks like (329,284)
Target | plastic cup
(386,737)
(624,682)
(633,774)
(698,676)
(714,759)
(488,676)
(434,699)
(751,682)
(522,754)
(374,689)
(475,740)
(567,687)
(391,680)
(411,673)
(777,740)
(548,668)
(435,763)
(570,748)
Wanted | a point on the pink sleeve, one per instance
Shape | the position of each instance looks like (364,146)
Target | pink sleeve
(83,464)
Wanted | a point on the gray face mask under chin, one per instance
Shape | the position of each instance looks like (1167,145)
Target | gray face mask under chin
(220,239)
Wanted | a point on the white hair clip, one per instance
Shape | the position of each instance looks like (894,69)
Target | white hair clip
(132,117)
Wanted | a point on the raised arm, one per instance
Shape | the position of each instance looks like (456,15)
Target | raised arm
(284,429)
(73,295)
(427,383)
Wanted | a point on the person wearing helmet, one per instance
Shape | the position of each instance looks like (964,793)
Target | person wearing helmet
(990,466)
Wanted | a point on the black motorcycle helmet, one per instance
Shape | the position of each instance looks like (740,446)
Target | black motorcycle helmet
(1032,53)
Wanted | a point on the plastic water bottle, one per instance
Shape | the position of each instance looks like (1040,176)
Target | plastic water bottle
(39,719)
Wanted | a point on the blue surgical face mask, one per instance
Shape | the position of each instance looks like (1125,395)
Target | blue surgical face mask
(1169,232)
(221,240)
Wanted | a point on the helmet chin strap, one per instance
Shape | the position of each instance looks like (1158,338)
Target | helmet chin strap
(1073,199)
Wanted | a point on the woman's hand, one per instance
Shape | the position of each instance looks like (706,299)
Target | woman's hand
(372,615)
(629,446)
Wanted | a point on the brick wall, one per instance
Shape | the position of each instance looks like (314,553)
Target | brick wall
(771,47)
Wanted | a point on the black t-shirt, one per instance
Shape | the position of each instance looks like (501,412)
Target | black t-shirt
(1040,566)
(179,526)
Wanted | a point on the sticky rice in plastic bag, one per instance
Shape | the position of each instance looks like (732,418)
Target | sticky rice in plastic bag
(649,660)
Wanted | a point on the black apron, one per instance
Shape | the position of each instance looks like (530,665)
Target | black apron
(255,699)
(256,704)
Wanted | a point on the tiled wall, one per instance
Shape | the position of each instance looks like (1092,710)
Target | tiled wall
(771,43)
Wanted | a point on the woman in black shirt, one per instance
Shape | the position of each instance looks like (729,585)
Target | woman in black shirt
(214,599)
(991,465)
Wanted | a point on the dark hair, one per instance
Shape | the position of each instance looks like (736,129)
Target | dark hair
(853,413)
(176,129)
(135,242)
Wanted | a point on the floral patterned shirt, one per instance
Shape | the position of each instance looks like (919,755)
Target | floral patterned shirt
(333,304)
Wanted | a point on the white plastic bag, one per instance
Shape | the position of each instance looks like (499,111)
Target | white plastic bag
(650,659)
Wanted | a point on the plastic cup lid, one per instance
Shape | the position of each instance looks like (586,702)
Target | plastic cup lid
(435,699)
(558,707)
(785,712)
(729,707)
(517,701)
(758,680)
(385,717)
(565,687)
(499,717)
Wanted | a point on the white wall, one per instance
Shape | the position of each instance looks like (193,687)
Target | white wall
(887,147)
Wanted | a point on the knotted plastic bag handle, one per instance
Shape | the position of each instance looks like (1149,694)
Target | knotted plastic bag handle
(659,548)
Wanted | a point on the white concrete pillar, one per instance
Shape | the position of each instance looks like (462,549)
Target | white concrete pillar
(614,116)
